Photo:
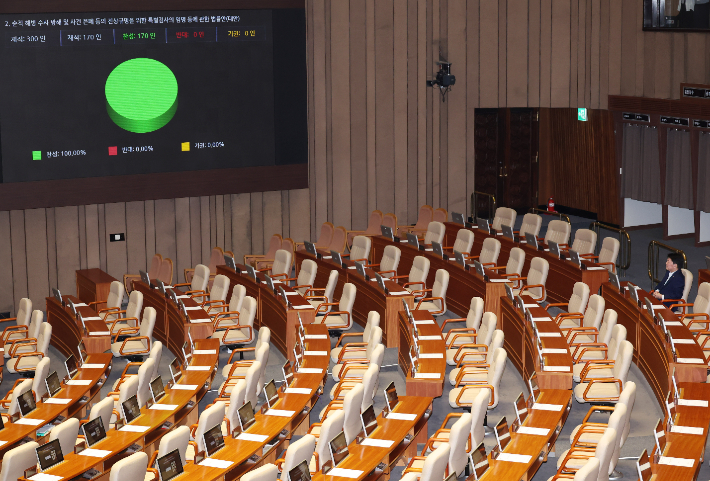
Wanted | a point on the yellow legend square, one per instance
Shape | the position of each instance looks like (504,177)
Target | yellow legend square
(186,146)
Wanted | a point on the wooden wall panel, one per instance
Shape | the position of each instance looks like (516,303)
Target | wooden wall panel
(384,104)
(135,237)
(19,252)
(82,237)
(51,254)
(183,236)
(257,223)
(560,70)
(37,266)
(401,177)
(241,225)
(271,215)
(488,44)
(7,292)
(67,237)
(116,254)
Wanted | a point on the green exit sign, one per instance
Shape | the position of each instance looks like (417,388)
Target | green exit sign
(582,115)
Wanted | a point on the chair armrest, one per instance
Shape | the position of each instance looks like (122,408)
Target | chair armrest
(347,334)
(455,331)
(459,319)
(475,386)
(126,331)
(138,338)
(556,304)
(31,341)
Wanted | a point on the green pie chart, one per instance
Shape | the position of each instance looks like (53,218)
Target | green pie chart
(141,95)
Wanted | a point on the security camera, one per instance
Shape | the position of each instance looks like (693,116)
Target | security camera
(443,79)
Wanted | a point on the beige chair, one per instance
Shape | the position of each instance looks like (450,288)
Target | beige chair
(337,243)
(342,319)
(426,215)
(144,378)
(39,387)
(24,334)
(390,220)
(25,356)
(607,255)
(473,359)
(577,302)
(463,396)
(433,467)
(209,418)
(217,295)
(589,335)
(373,227)
(237,370)
(267,472)
(463,243)
(435,302)
(153,272)
(440,215)
(531,225)
(230,334)
(360,250)
(103,410)
(126,390)
(133,467)
(326,298)
(178,439)
(585,241)
(9,403)
(22,322)
(232,309)
(460,345)
(156,353)
(535,280)
(17,460)
(327,430)
(281,267)
(373,320)
(113,302)
(200,278)
(688,277)
(576,458)
(697,314)
(166,271)
(66,432)
(462,335)
(435,233)
(558,231)
(585,356)
(306,277)
(504,216)
(274,245)
(592,317)
(489,252)
(514,266)
(595,388)
(389,263)
(368,382)
(137,345)
(477,419)
(418,273)
(296,453)
(588,472)
(346,362)
(458,439)
(234,402)
(131,314)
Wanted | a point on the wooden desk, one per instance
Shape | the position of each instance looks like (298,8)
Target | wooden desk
(67,331)
(93,285)
(703,276)
(272,311)
(652,353)
(82,398)
(369,296)
(463,284)
(423,383)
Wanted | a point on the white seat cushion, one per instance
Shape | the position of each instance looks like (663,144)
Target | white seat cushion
(131,346)
(478,376)
(25,362)
(467,398)
(598,391)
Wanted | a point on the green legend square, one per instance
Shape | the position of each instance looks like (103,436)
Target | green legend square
(36,155)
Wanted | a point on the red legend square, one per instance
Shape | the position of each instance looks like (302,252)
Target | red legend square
(113,151)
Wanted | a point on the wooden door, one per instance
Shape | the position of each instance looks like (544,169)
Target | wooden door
(488,157)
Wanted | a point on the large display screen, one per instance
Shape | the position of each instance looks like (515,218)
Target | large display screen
(104,94)
(676,15)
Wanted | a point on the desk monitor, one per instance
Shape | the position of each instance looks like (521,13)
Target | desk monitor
(170,465)
(521,409)
(387,232)
(287,370)
(183,310)
(71,365)
(270,283)
(574,255)
(26,403)
(360,268)
(406,309)
(246,416)
(57,295)
(508,232)
(94,431)
(457,218)
(271,394)
(338,448)
(72,307)
(675,386)
(554,248)
(300,473)
(509,293)
(252,274)
(187,350)
(157,389)
(643,466)
(130,409)
(479,461)
(391,398)
(531,240)
(659,435)
(310,248)
(670,410)
(649,308)
(82,351)
(460,259)
(413,359)
(614,279)
(175,370)
(49,455)
(413,240)
(502,434)
(483,225)
(479,268)
(369,420)
(282,291)
(438,249)
(160,285)
(660,315)
(53,384)
(80,318)
(380,282)
(173,297)
(534,386)
(633,292)
(145,278)
(213,439)
(335,256)
(229,262)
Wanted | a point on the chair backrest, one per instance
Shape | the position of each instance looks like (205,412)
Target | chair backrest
(24,311)
(200,278)
(347,299)
(36,322)
(488,326)
(608,324)
(516,261)
(326,235)
(330,428)
(262,355)
(148,323)
(360,248)
(267,472)
(489,251)
(166,271)
(594,312)
(274,245)
(377,354)
(390,220)
(17,460)
(440,215)
(236,400)
(18,391)
(558,231)
(45,336)
(496,342)
(426,213)
(307,274)
(588,472)
(537,274)
(479,407)
(145,371)
(66,432)
(419,270)
(373,225)
(220,288)
(580,297)
(458,436)
(618,335)
(370,380)
(264,336)
(41,372)
(135,306)
(531,224)
(351,409)
(373,320)
(330,286)
(495,372)
(702,300)
(127,389)
(609,251)
(132,467)
(251,391)
(247,313)
(434,233)
(299,451)
(475,313)
(441,284)
(628,397)
(340,237)
(289,245)
(115,295)
(373,342)
(585,241)
(237,297)
(102,409)
(688,276)
(216,259)
(623,361)
(156,354)
(154,269)
(209,418)
(282,263)
(504,216)
(178,439)
(434,467)
(464,241)
(390,259)
(604,451)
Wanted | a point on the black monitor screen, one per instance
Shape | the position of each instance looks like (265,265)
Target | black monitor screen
(71,365)
(49,454)
(26,402)
(170,465)
(53,384)
(246,416)
(300,473)
(131,410)
(213,439)
(369,420)
(391,396)
(94,431)
(157,388)
(270,393)
(338,448)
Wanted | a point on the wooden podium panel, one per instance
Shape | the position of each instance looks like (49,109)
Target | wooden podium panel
(93,285)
